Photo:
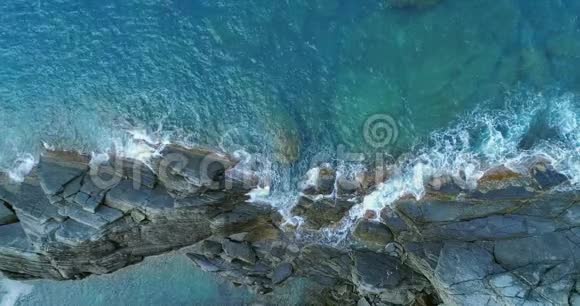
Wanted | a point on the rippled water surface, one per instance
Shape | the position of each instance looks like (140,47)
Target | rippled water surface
(164,280)
(288,79)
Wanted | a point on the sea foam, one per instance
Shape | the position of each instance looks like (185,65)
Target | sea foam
(12,291)
(22,167)
(484,140)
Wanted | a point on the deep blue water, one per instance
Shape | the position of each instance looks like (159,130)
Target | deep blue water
(291,79)
(77,74)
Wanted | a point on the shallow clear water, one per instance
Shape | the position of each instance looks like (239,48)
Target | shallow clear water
(163,280)
(291,79)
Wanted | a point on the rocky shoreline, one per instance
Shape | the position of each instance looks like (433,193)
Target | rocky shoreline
(515,240)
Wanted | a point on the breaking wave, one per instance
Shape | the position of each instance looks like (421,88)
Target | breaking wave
(12,291)
(538,128)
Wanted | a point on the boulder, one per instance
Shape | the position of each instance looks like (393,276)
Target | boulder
(374,235)
(239,250)
(546,177)
(326,179)
(321,212)
(240,219)
(240,179)
(319,180)
(210,248)
(363,302)
(374,272)
(138,216)
(239,237)
(444,185)
(205,264)
(180,166)
(386,276)
(502,183)
(348,186)
(374,177)
(281,273)
(508,246)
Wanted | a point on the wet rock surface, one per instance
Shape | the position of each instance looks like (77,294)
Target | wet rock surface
(496,250)
(495,245)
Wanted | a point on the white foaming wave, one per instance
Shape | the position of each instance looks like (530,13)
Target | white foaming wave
(22,167)
(137,144)
(256,165)
(13,291)
(312,176)
(274,186)
(98,159)
(456,153)
(141,146)
(565,155)
(259,195)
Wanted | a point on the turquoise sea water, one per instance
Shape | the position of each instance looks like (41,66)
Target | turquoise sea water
(165,280)
(460,86)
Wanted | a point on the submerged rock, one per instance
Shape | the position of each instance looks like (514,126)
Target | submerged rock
(287,146)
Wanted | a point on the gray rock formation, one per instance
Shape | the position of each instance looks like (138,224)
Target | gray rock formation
(74,220)
(512,241)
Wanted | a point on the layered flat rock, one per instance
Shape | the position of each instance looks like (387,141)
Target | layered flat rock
(126,196)
(514,240)
(179,166)
(13,236)
(102,217)
(129,169)
(78,219)
(497,252)
(29,199)
(73,233)
(58,168)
